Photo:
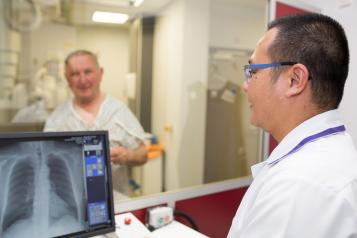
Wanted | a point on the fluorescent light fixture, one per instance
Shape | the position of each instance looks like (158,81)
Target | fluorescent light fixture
(109,17)
(138,3)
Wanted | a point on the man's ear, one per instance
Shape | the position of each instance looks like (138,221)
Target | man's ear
(101,71)
(298,79)
(67,76)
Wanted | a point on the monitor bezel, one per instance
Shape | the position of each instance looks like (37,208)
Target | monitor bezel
(48,135)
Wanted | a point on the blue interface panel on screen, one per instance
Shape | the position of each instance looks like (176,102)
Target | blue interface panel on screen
(55,184)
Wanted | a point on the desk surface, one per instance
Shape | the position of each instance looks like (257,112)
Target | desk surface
(177,230)
(137,230)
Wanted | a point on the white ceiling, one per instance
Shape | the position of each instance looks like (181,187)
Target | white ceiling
(244,3)
(83,9)
(157,4)
(152,6)
(125,6)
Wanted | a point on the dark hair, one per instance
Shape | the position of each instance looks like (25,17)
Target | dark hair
(82,52)
(320,43)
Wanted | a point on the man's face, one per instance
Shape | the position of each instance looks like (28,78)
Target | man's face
(84,77)
(263,93)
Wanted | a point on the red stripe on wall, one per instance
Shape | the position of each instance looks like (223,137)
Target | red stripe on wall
(283,9)
(212,213)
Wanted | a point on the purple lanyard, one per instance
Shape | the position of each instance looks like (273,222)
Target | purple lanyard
(327,132)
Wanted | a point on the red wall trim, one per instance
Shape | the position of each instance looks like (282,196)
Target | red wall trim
(283,9)
(212,213)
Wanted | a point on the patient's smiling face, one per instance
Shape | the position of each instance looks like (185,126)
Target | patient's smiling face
(84,77)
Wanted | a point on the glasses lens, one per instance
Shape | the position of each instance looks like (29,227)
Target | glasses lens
(248,69)
(247,72)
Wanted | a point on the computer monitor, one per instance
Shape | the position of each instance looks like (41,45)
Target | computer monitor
(55,184)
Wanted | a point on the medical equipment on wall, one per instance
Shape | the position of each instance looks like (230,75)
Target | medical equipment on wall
(130,86)
(49,90)
(16,19)
(49,85)
(9,55)
(222,82)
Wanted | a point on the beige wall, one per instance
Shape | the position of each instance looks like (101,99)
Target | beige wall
(236,27)
(112,46)
(180,72)
(185,30)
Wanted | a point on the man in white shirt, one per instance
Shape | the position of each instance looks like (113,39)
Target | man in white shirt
(91,109)
(294,83)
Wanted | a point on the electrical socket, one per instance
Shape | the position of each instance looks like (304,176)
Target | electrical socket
(159,216)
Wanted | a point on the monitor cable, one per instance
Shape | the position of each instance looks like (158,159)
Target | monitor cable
(178,213)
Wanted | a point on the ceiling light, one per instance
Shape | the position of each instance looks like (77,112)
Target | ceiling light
(109,17)
(138,3)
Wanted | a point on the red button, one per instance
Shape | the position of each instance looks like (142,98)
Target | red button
(127,221)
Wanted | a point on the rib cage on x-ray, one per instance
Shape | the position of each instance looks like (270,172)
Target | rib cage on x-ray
(61,184)
(21,207)
(43,193)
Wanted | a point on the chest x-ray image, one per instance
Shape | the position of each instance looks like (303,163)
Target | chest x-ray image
(42,189)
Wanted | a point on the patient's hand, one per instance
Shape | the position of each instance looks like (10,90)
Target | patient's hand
(121,155)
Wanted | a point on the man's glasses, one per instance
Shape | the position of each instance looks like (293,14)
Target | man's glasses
(250,68)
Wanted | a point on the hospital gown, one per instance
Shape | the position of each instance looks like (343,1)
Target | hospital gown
(114,116)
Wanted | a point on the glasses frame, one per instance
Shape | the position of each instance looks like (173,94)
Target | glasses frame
(248,69)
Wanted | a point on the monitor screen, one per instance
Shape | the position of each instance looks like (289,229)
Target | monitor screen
(55,184)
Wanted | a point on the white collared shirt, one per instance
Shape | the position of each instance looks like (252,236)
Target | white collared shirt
(310,193)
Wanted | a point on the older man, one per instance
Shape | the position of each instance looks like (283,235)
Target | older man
(91,109)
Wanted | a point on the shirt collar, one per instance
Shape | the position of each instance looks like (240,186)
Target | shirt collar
(257,168)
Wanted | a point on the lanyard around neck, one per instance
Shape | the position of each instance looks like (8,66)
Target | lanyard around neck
(327,132)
